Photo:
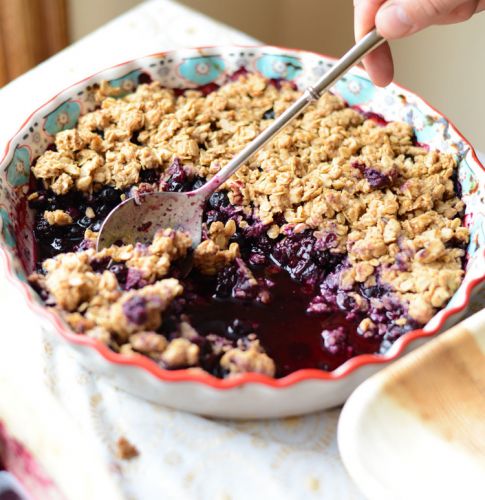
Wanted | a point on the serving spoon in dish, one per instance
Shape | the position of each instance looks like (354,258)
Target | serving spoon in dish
(137,219)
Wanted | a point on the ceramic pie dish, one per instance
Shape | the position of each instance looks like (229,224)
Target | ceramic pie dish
(247,395)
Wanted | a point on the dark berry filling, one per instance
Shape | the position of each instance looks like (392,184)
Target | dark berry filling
(291,336)
(52,240)
(285,290)
(135,310)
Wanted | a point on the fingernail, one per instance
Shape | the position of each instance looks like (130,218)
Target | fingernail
(394,21)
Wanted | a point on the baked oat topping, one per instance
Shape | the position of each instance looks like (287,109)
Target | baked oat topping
(247,357)
(57,217)
(356,211)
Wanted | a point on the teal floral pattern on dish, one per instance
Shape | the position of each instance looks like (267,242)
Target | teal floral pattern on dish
(18,170)
(468,181)
(426,127)
(477,236)
(279,66)
(127,83)
(23,277)
(63,117)
(6,228)
(202,70)
(355,89)
(475,213)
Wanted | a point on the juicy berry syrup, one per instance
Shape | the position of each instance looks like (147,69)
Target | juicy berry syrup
(290,335)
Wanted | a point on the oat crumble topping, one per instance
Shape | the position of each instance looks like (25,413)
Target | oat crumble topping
(57,217)
(366,196)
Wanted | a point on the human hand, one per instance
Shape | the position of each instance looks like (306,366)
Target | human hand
(399,18)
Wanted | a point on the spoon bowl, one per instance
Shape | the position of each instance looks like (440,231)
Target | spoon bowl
(137,219)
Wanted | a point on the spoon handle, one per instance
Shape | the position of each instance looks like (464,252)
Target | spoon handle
(312,93)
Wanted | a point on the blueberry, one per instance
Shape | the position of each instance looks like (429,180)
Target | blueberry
(177,176)
(376,179)
(226,280)
(239,328)
(456,183)
(120,271)
(54,203)
(59,245)
(177,179)
(174,187)
(134,139)
(103,210)
(218,199)
(302,257)
(236,281)
(374,291)
(109,195)
(75,232)
(269,114)
(84,222)
(135,310)
(199,182)
(346,302)
(335,340)
(74,212)
(84,245)
(69,201)
(43,229)
(99,265)
(134,279)
(144,78)
(150,176)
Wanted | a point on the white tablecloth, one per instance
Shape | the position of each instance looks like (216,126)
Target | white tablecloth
(181,455)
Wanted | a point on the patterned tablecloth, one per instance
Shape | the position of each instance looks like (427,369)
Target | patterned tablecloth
(181,455)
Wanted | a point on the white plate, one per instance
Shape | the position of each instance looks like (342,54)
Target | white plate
(416,430)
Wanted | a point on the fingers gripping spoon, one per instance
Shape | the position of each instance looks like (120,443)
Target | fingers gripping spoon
(137,219)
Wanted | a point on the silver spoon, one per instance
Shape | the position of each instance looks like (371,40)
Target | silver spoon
(138,219)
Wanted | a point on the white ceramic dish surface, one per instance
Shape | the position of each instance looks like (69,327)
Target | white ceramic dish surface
(251,395)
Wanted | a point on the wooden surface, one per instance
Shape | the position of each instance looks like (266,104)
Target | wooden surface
(444,386)
(417,429)
(30,31)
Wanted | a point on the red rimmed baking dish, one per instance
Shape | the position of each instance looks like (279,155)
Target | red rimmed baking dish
(249,395)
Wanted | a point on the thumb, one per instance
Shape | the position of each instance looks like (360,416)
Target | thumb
(399,18)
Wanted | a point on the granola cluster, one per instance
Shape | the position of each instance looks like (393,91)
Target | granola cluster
(126,314)
(367,190)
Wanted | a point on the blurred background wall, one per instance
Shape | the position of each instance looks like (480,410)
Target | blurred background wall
(87,15)
(444,65)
